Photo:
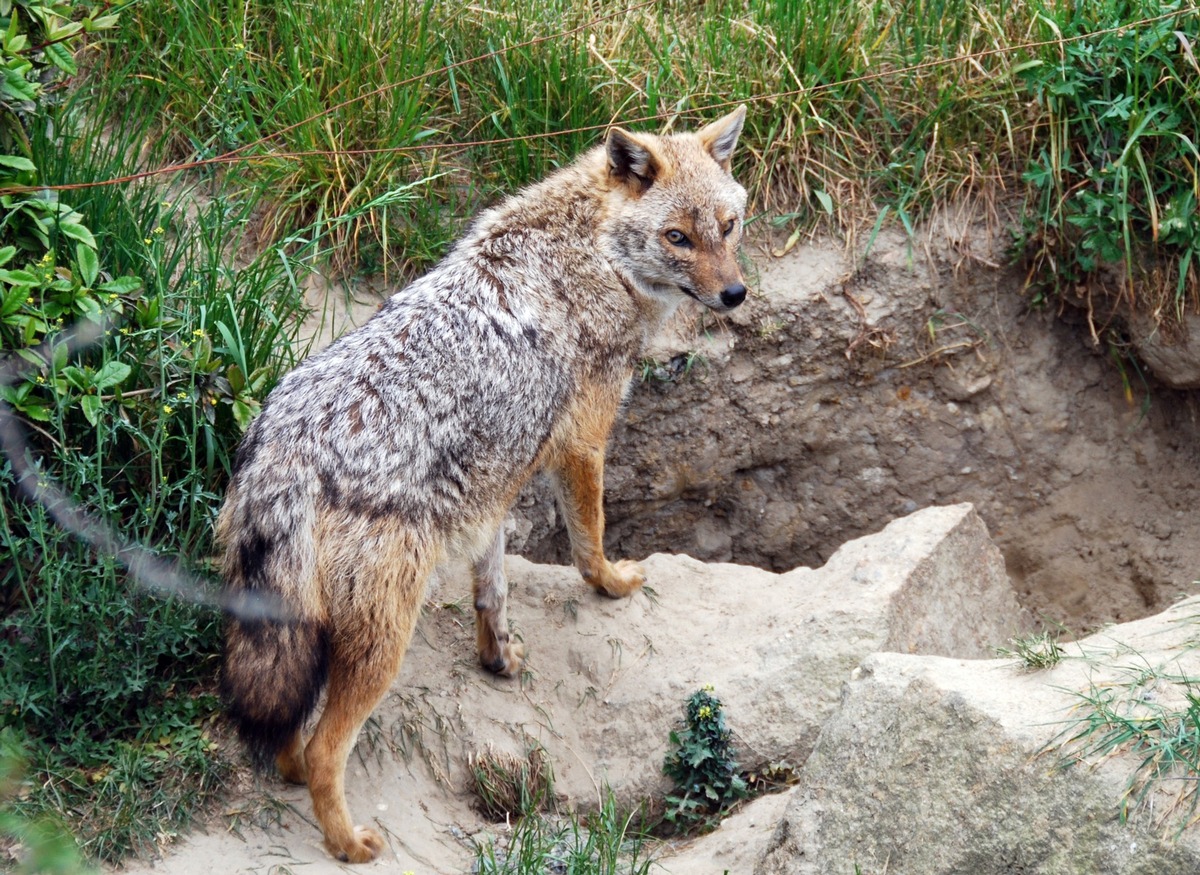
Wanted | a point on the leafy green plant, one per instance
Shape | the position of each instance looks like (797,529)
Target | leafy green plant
(36,51)
(137,355)
(50,272)
(1113,174)
(100,677)
(39,231)
(706,776)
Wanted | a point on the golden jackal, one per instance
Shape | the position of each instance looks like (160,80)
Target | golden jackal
(408,439)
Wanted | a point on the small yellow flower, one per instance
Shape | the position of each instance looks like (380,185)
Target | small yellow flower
(40,379)
(212,401)
(147,240)
(168,409)
(241,47)
(158,230)
(705,712)
(199,332)
(708,688)
(29,300)
(181,395)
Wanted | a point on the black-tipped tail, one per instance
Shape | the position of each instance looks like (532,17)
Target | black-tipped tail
(272,676)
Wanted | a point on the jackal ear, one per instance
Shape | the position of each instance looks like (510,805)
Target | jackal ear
(630,160)
(720,138)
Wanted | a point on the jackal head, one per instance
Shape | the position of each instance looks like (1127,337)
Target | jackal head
(676,221)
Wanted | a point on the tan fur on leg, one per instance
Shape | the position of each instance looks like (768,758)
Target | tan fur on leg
(580,481)
(290,761)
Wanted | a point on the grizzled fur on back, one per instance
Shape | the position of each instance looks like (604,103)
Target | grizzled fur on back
(409,437)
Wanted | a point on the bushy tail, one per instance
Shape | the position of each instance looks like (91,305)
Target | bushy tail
(274,668)
(271,679)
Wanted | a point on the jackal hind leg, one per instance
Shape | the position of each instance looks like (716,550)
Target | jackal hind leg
(290,761)
(497,653)
(364,660)
(579,480)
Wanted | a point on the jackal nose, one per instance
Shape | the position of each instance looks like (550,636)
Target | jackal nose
(733,296)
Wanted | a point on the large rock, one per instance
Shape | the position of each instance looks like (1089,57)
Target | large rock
(737,845)
(935,766)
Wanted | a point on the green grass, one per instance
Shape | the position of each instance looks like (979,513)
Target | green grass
(335,106)
(40,845)
(1113,174)
(105,686)
(1152,717)
(364,136)
(1039,650)
(858,110)
(607,841)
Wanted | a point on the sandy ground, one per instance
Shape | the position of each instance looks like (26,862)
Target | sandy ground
(598,672)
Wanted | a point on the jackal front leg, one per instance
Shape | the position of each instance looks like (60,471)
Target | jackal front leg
(496,652)
(579,478)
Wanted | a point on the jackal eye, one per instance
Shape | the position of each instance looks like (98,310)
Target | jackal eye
(729,226)
(677,238)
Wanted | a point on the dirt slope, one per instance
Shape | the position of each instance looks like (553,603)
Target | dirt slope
(606,680)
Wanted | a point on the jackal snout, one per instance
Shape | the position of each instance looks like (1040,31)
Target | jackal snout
(732,296)
(728,275)
(713,276)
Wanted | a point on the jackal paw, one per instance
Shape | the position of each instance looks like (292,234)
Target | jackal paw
(622,579)
(364,847)
(507,660)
